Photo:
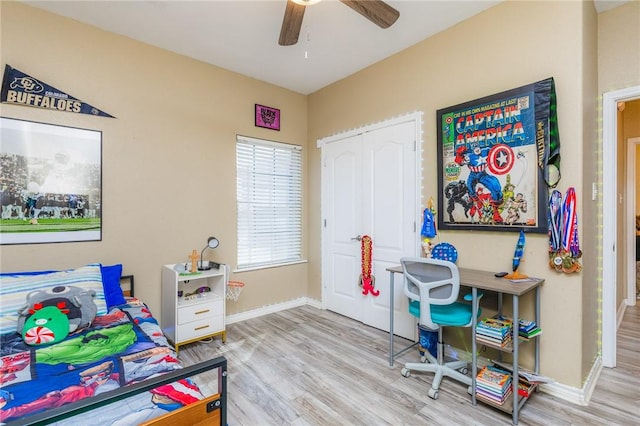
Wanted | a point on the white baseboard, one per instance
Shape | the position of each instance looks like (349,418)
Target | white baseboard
(270,309)
(578,396)
(590,384)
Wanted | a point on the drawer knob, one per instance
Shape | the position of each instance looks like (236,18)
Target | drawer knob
(202,312)
(202,327)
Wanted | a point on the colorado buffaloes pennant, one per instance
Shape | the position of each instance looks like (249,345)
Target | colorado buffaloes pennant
(21,89)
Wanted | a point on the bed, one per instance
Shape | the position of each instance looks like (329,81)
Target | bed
(74,346)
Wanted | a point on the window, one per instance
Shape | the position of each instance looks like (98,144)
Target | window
(269,197)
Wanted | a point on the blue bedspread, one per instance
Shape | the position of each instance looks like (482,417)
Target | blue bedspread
(123,347)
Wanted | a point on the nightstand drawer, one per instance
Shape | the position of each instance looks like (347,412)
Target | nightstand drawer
(196,329)
(187,314)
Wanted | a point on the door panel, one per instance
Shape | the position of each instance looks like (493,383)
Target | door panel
(369,187)
(389,214)
(341,258)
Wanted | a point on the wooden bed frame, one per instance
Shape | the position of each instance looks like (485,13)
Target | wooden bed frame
(210,411)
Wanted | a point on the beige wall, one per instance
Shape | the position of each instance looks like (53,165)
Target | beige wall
(471,60)
(589,219)
(168,159)
(618,52)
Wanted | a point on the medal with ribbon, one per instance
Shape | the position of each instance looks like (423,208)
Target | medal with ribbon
(564,248)
(555,224)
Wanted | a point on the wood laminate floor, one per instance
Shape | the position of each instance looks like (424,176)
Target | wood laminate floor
(306,366)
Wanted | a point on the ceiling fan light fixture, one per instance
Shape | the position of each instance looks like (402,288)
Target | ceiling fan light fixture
(376,11)
(306,2)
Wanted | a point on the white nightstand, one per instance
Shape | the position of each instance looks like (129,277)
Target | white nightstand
(189,315)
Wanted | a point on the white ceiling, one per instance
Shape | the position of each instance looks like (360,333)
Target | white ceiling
(242,35)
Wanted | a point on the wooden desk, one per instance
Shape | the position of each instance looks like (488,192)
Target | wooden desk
(485,280)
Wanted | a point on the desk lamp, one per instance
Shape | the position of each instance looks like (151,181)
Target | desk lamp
(212,243)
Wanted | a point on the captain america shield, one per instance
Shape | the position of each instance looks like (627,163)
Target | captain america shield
(500,159)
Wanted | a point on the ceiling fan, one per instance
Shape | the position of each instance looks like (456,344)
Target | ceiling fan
(376,11)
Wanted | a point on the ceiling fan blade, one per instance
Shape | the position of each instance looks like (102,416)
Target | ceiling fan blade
(376,11)
(291,24)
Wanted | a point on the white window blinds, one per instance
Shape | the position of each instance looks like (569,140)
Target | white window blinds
(269,197)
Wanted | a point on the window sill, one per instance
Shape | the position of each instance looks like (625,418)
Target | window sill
(275,265)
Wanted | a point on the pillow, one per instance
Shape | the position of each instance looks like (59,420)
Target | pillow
(14,290)
(111,284)
(20,274)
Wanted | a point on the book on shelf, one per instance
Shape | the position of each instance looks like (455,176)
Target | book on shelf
(495,342)
(493,333)
(498,323)
(494,378)
(495,393)
(494,384)
(525,387)
(497,330)
(528,335)
(530,376)
(498,400)
(526,328)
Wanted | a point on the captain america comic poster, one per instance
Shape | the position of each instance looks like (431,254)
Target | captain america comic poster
(488,163)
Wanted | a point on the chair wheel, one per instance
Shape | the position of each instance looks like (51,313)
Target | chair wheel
(405,372)
(464,370)
(433,393)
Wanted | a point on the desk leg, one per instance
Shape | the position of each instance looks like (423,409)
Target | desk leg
(391,310)
(515,378)
(537,360)
(474,349)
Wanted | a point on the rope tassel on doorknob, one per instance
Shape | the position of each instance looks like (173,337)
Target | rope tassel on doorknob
(367,281)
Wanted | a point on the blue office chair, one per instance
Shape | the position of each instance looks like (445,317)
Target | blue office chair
(432,286)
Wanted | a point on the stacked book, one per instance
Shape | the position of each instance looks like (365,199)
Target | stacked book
(494,331)
(525,387)
(528,329)
(493,385)
(524,373)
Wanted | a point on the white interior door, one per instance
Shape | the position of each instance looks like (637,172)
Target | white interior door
(370,184)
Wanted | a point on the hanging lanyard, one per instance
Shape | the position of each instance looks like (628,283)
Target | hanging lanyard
(366,279)
(555,221)
(365,247)
(570,224)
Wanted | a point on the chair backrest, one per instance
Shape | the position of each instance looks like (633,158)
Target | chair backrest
(431,282)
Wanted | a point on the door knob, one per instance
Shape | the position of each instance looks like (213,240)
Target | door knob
(358,238)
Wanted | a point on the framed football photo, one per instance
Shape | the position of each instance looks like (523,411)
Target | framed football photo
(51,183)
